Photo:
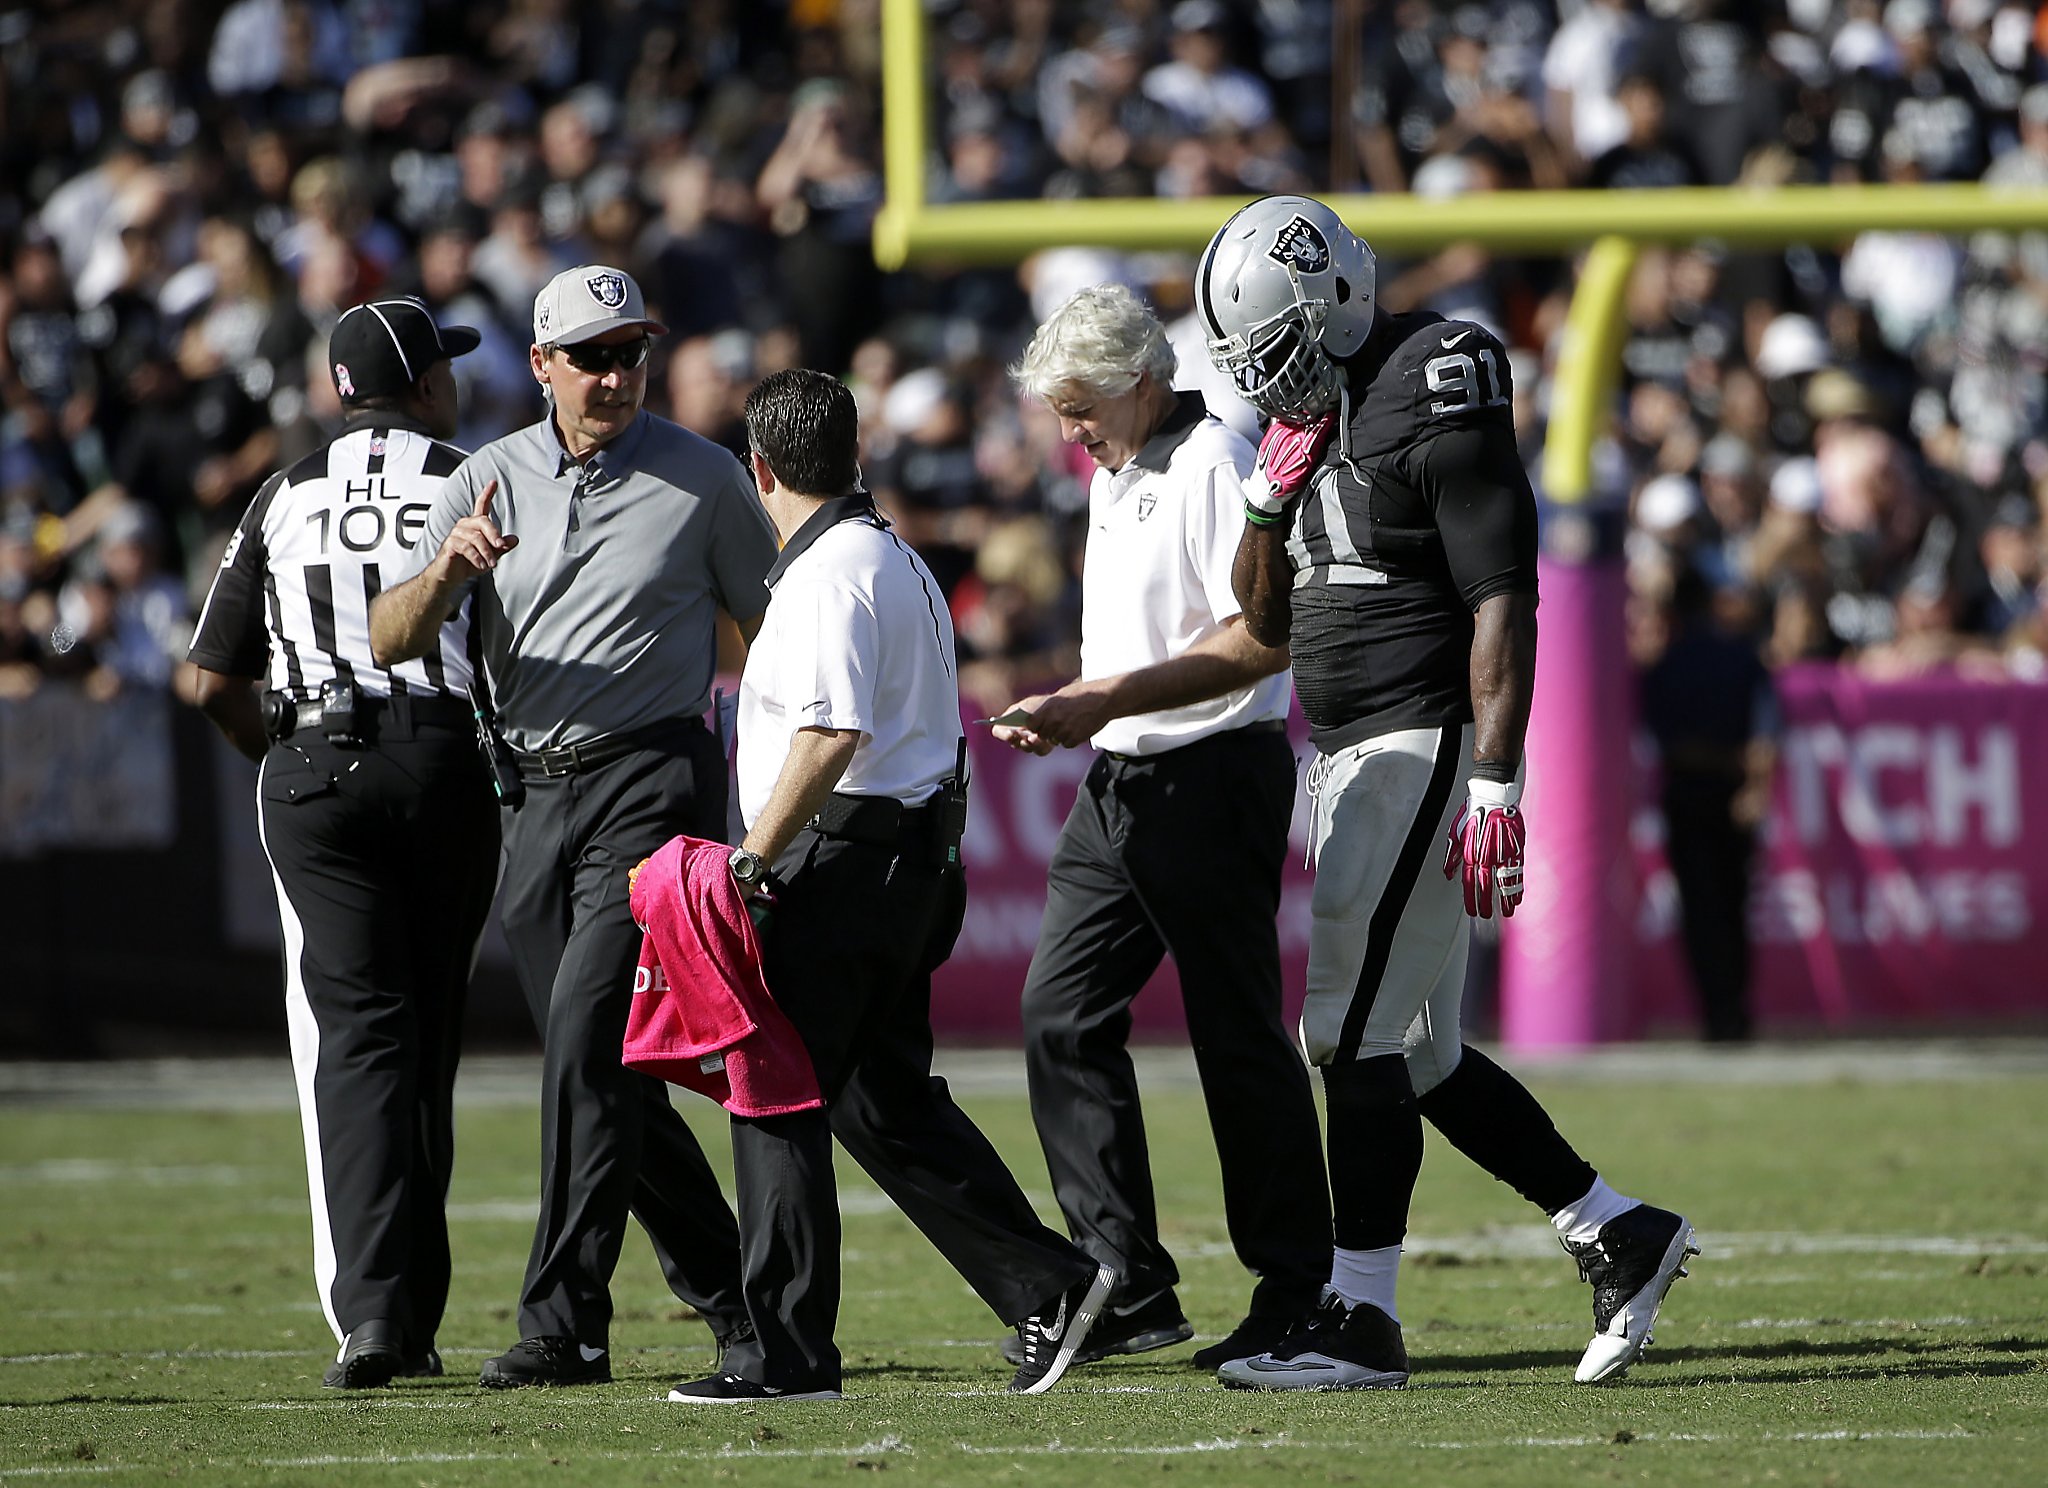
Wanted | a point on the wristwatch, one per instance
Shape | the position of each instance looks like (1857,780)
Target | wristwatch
(748,870)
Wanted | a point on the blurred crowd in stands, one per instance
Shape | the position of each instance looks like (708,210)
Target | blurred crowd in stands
(1848,442)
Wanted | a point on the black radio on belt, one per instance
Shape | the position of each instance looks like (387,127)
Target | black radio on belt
(338,708)
(952,802)
(505,777)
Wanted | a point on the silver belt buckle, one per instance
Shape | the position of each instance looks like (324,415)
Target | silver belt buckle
(565,756)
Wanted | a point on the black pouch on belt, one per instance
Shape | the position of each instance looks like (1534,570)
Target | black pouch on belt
(338,709)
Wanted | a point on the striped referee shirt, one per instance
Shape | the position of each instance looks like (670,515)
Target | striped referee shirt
(291,602)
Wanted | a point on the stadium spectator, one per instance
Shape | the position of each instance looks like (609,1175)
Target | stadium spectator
(1707,702)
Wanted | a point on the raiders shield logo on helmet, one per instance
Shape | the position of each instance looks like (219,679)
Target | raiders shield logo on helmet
(609,290)
(1302,244)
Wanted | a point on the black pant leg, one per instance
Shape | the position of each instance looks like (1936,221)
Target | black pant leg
(1096,949)
(857,934)
(789,1220)
(1207,837)
(456,872)
(609,1136)
(1710,857)
(899,1122)
(334,824)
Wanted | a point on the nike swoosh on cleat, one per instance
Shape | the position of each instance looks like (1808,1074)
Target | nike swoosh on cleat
(590,1355)
(1283,1367)
(1450,341)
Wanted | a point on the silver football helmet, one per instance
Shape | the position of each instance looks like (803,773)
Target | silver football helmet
(1282,289)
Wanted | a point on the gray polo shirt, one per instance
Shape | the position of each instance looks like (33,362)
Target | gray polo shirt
(603,619)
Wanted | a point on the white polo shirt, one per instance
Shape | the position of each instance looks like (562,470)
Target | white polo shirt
(857,636)
(1162,535)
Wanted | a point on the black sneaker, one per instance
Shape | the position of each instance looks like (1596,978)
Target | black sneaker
(1630,1264)
(1155,1323)
(1051,1337)
(1338,1346)
(370,1357)
(1260,1333)
(547,1360)
(730,1389)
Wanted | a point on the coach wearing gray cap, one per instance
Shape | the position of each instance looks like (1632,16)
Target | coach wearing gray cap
(602,544)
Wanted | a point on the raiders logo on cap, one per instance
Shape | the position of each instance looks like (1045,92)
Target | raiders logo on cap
(609,290)
(1302,244)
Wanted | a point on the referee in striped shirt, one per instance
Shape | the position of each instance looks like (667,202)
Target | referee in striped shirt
(378,818)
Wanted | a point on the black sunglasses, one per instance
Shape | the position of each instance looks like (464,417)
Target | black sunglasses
(598,360)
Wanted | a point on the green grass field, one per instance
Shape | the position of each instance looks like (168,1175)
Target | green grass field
(1870,1309)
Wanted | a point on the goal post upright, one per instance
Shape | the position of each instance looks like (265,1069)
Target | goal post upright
(1566,958)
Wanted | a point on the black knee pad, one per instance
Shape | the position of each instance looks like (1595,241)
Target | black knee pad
(1368,1086)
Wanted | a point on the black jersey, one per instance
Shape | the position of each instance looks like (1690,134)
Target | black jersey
(1419,513)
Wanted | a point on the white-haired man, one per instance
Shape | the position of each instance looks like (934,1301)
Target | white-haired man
(1174,844)
(1405,585)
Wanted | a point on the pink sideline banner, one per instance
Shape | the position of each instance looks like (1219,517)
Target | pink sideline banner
(1904,873)
(1898,884)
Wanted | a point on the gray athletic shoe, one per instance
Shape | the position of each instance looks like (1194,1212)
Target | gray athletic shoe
(1338,1346)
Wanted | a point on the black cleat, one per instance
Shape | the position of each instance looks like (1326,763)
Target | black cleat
(1339,1346)
(423,1365)
(547,1360)
(370,1358)
(1630,1264)
(730,1389)
(1155,1323)
(1260,1333)
(1052,1336)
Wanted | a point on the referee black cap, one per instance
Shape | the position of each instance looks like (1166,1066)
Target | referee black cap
(380,349)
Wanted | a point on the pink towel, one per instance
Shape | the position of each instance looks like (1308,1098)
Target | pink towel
(702,1016)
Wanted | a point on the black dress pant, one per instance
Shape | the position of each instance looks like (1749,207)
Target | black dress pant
(384,856)
(856,934)
(1710,855)
(610,1140)
(1177,853)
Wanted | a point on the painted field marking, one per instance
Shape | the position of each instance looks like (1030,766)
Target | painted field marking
(894,1445)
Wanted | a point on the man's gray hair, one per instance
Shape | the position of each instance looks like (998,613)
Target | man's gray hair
(1101,341)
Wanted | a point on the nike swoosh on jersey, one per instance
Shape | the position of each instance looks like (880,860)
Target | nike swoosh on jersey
(1450,341)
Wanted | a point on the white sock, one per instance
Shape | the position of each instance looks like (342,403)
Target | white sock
(1580,1222)
(1367,1276)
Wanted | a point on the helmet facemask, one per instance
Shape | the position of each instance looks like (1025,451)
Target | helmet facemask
(1278,365)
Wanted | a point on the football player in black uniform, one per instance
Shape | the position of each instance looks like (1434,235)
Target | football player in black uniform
(1391,543)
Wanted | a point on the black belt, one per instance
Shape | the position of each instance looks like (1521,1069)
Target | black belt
(407,710)
(880,820)
(1264,726)
(574,759)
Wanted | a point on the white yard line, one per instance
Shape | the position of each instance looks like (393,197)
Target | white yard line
(264,1084)
(895,1446)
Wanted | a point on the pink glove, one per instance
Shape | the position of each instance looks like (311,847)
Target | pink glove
(1486,842)
(1288,456)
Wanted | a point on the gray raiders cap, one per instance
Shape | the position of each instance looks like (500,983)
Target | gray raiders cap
(587,301)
